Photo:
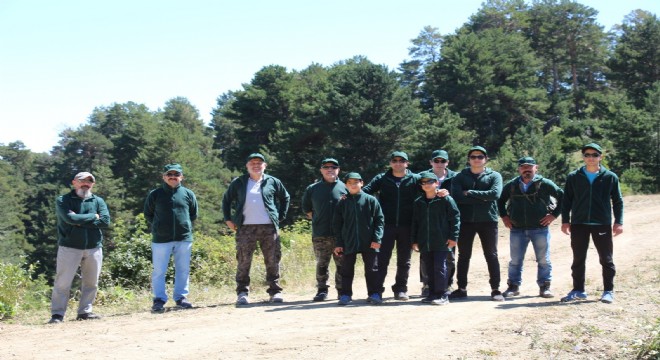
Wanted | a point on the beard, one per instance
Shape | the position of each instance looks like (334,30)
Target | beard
(84,192)
(527,175)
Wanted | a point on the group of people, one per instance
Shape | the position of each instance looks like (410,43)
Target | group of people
(433,212)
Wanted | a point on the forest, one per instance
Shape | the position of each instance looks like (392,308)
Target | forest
(520,79)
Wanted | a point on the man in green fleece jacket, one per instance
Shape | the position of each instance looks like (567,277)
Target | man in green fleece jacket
(358,227)
(80,217)
(591,195)
(253,206)
(171,210)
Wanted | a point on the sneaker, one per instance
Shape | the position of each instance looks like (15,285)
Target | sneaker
(574,295)
(512,290)
(375,299)
(496,295)
(242,299)
(441,301)
(427,300)
(608,297)
(183,303)
(56,319)
(158,306)
(401,296)
(425,291)
(277,298)
(458,294)
(88,316)
(344,300)
(321,296)
(544,290)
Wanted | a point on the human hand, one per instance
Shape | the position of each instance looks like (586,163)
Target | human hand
(375,245)
(547,220)
(617,229)
(231,225)
(441,192)
(507,221)
(415,247)
(339,251)
(451,243)
(566,228)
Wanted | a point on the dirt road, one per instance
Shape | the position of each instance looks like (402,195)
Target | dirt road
(526,327)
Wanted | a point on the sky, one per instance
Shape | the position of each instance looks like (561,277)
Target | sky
(59,60)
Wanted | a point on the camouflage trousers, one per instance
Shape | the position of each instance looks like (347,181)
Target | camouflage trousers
(324,247)
(268,238)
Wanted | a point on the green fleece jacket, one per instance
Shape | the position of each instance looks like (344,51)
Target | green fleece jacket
(77,225)
(171,213)
(276,199)
(357,222)
(396,201)
(527,209)
(434,222)
(320,199)
(479,204)
(586,203)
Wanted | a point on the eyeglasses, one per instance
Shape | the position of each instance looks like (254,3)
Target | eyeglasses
(591,155)
(86,181)
(428,182)
(474,157)
(173,174)
(400,161)
(439,161)
(326,167)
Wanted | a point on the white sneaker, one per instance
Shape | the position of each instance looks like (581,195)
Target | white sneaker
(440,301)
(277,298)
(242,299)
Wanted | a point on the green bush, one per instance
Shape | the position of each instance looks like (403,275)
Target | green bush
(19,292)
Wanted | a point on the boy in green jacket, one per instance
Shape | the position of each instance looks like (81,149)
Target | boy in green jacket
(358,227)
(435,225)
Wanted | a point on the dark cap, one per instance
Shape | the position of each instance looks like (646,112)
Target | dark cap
(84,175)
(593,146)
(256,156)
(527,160)
(330,160)
(440,154)
(427,175)
(477,148)
(400,154)
(352,175)
(172,167)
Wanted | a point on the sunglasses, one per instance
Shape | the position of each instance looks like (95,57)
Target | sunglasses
(474,157)
(428,182)
(173,174)
(326,167)
(591,155)
(439,161)
(401,161)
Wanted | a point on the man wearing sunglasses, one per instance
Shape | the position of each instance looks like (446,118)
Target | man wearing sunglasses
(80,217)
(171,210)
(318,203)
(397,190)
(476,190)
(592,193)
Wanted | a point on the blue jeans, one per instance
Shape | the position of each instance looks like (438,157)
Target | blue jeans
(160,254)
(540,239)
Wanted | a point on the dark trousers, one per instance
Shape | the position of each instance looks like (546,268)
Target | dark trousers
(602,237)
(487,232)
(451,268)
(370,260)
(399,236)
(436,268)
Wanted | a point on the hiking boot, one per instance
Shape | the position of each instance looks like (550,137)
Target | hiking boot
(425,291)
(344,300)
(440,301)
(320,296)
(375,299)
(277,298)
(496,295)
(242,299)
(158,306)
(574,295)
(56,319)
(183,303)
(458,294)
(88,316)
(401,295)
(512,290)
(544,290)
(608,297)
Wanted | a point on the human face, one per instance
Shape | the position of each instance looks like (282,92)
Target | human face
(173,178)
(591,156)
(527,172)
(477,159)
(428,185)
(439,164)
(354,185)
(83,187)
(329,171)
(256,168)
(398,164)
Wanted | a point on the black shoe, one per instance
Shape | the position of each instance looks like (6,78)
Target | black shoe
(428,299)
(321,296)
(512,290)
(88,316)
(183,303)
(56,319)
(458,294)
(158,306)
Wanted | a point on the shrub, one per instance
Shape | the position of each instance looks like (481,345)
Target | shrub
(19,292)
